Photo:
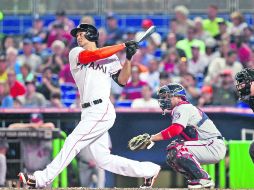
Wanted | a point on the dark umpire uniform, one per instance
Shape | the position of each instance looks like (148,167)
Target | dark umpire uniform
(245,88)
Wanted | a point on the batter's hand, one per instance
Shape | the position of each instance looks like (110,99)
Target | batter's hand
(131,43)
(131,49)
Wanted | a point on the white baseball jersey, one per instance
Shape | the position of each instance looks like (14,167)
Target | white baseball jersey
(189,115)
(94,82)
(94,79)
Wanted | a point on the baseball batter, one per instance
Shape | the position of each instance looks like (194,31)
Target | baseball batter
(194,138)
(245,88)
(92,69)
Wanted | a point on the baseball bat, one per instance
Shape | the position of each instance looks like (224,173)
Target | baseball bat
(148,32)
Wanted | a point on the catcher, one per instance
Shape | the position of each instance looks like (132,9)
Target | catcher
(245,88)
(194,139)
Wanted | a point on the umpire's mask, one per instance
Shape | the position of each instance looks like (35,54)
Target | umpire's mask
(244,79)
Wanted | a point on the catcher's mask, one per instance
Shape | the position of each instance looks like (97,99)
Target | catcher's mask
(166,92)
(244,79)
(91,33)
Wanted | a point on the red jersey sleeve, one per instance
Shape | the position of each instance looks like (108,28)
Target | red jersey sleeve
(88,56)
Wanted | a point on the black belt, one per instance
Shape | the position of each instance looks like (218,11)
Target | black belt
(88,104)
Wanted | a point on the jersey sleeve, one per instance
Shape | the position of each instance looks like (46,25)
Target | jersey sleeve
(115,65)
(73,57)
(181,115)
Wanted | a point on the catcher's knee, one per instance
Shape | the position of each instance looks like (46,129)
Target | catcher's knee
(173,151)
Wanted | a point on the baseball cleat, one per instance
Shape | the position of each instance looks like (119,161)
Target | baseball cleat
(200,184)
(28,181)
(148,183)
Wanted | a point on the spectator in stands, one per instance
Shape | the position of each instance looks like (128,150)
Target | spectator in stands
(180,70)
(146,100)
(211,50)
(25,74)
(224,92)
(114,31)
(186,43)
(55,101)
(173,27)
(143,55)
(248,36)
(219,64)
(198,63)
(206,97)
(224,31)
(155,38)
(8,41)
(38,29)
(153,74)
(48,86)
(182,21)
(243,50)
(6,101)
(3,164)
(102,37)
(57,60)
(164,78)
(32,99)
(170,43)
(3,68)
(132,89)
(28,57)
(169,60)
(11,58)
(130,34)
(192,91)
(238,23)
(40,48)
(16,87)
(62,19)
(200,33)
(58,33)
(211,24)
(37,151)
(88,20)
(65,75)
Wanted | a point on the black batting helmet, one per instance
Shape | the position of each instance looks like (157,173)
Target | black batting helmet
(244,79)
(91,32)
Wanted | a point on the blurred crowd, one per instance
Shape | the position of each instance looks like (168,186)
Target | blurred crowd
(203,54)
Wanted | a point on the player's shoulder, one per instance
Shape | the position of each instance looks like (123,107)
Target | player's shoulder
(75,50)
(185,106)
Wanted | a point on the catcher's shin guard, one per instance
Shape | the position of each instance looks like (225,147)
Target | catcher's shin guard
(184,162)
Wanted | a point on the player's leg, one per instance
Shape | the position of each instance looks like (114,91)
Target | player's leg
(251,151)
(182,160)
(84,133)
(121,165)
(3,169)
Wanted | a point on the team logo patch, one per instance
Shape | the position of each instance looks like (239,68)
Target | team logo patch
(176,116)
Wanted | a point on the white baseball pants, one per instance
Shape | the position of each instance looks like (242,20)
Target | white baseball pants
(92,131)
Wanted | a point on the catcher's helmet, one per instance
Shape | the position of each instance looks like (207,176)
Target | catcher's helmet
(244,79)
(168,91)
(91,32)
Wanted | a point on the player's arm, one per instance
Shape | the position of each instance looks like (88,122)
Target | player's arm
(21,125)
(87,56)
(125,73)
(172,131)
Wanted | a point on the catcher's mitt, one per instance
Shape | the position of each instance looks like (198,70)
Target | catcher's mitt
(140,142)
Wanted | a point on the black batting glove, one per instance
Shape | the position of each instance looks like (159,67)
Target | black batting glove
(130,51)
(131,43)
